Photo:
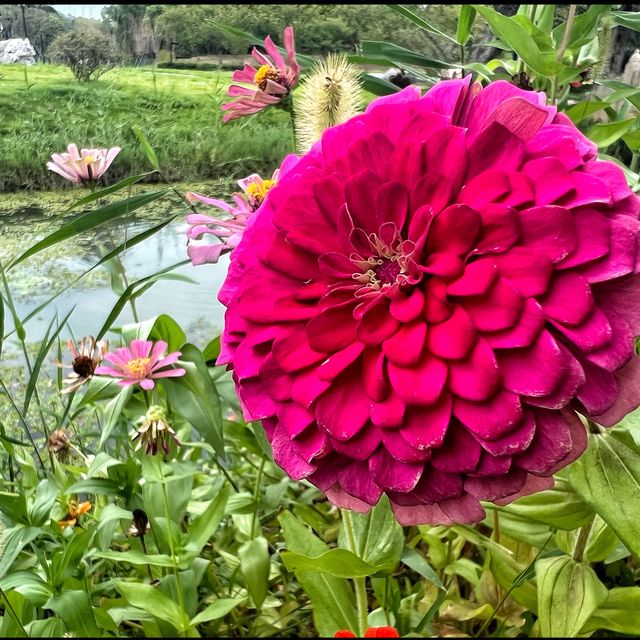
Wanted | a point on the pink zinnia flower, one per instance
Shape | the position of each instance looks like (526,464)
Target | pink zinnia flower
(254,193)
(430,297)
(272,81)
(84,165)
(140,363)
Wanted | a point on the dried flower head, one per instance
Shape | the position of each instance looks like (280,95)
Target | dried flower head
(154,431)
(140,526)
(87,355)
(330,94)
(59,445)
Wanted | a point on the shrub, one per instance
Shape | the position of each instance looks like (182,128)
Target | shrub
(87,55)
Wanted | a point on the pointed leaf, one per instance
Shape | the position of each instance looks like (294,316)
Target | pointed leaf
(568,593)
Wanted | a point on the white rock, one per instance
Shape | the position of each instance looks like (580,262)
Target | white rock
(17,50)
(631,73)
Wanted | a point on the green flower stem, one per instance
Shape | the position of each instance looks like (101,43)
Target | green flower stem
(13,613)
(563,47)
(359,583)
(581,542)
(256,494)
(174,559)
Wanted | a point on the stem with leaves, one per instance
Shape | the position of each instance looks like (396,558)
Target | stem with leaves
(359,583)
(174,558)
(563,47)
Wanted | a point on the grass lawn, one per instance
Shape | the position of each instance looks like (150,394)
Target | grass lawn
(43,108)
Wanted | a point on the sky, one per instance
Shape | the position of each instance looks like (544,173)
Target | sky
(80,10)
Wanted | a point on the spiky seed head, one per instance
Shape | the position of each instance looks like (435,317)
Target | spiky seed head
(330,95)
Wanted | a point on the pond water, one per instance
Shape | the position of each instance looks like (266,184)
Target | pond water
(193,305)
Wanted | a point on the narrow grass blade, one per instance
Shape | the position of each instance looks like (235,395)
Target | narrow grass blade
(91,220)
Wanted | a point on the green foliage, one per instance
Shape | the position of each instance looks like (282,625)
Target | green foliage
(178,111)
(87,55)
(209,537)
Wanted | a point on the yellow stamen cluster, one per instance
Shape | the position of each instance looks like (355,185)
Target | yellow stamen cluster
(257,191)
(264,73)
(137,368)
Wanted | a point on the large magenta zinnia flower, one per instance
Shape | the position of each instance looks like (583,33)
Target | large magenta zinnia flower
(430,295)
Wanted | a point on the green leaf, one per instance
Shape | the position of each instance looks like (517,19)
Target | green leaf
(13,541)
(628,19)
(545,14)
(465,21)
(578,112)
(45,498)
(112,411)
(507,572)
(336,562)
(14,506)
(419,22)
(605,134)
(195,398)
(619,612)
(602,542)
(584,29)
(254,564)
(568,593)
(136,557)
(74,607)
(96,486)
(30,585)
(45,347)
(378,537)
(415,561)
(401,55)
(521,42)
(559,507)
(331,597)
(606,471)
(96,195)
(134,290)
(204,526)
(153,601)
(90,220)
(146,148)
(162,327)
(377,86)
(217,610)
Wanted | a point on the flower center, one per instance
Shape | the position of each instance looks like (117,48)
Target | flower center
(83,366)
(387,270)
(264,73)
(137,368)
(257,192)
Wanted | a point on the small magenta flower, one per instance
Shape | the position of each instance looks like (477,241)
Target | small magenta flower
(272,81)
(254,192)
(140,363)
(85,165)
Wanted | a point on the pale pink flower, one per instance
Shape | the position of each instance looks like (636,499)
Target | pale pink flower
(84,165)
(254,191)
(272,81)
(140,363)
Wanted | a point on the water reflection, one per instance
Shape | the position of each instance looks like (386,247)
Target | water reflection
(194,306)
